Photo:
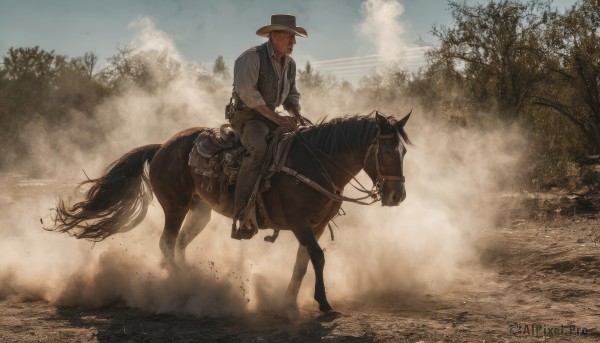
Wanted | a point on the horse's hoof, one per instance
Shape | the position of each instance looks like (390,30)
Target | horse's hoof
(293,309)
(325,308)
(242,234)
(171,266)
(329,316)
(165,264)
(291,312)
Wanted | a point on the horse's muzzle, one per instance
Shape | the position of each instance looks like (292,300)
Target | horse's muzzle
(393,198)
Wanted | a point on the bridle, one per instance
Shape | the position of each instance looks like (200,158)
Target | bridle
(382,175)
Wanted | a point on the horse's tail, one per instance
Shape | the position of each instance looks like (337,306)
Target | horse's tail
(116,202)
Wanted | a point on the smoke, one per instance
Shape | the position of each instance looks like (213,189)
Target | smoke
(452,178)
(381,26)
(385,36)
(127,268)
(148,37)
(420,246)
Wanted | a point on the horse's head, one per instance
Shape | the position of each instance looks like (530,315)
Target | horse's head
(383,162)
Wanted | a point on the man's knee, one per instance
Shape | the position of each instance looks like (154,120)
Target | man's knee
(260,150)
(254,138)
(256,155)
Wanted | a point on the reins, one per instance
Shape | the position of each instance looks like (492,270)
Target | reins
(330,195)
(374,193)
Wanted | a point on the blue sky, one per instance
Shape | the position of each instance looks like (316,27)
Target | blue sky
(201,29)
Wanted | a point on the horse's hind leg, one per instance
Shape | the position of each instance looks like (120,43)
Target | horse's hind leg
(307,238)
(300,267)
(195,222)
(174,216)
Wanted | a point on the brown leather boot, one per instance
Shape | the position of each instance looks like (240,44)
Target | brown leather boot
(243,190)
(254,139)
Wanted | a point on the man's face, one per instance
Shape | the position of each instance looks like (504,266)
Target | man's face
(283,42)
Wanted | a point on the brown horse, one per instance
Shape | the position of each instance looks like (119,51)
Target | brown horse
(330,154)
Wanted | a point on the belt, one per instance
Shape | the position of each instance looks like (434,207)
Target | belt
(240,106)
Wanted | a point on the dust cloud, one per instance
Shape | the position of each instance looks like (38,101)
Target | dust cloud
(383,27)
(417,247)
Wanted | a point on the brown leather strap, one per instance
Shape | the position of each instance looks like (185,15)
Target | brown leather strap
(380,175)
(320,189)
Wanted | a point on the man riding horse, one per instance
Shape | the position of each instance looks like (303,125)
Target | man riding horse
(264,77)
(307,184)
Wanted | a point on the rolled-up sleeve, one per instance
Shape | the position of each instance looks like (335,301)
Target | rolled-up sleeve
(245,79)
(293,98)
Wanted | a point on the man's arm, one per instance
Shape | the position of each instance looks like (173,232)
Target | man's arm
(245,79)
(292,102)
(294,108)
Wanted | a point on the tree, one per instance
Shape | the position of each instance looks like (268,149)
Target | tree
(572,88)
(148,69)
(32,64)
(439,88)
(43,89)
(220,69)
(28,74)
(494,49)
(86,63)
(387,85)
(310,79)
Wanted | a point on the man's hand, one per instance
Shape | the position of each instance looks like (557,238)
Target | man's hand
(295,111)
(290,123)
(276,118)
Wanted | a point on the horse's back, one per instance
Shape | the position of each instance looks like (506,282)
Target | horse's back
(177,148)
(185,136)
(169,170)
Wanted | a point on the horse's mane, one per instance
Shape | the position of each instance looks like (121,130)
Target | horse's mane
(342,134)
(345,133)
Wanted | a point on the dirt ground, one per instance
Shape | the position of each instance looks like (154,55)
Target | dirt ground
(538,276)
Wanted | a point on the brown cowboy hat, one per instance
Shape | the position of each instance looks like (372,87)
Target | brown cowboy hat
(282,22)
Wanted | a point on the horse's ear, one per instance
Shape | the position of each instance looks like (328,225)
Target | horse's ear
(400,124)
(381,121)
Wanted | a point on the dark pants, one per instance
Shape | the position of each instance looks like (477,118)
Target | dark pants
(254,138)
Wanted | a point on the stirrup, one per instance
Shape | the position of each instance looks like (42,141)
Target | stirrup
(239,233)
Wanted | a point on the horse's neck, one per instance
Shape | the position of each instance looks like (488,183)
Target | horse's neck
(344,166)
(346,142)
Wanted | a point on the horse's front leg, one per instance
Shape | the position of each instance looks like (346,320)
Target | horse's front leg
(300,267)
(306,238)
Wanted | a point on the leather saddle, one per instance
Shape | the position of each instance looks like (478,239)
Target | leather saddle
(217,155)
(211,142)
